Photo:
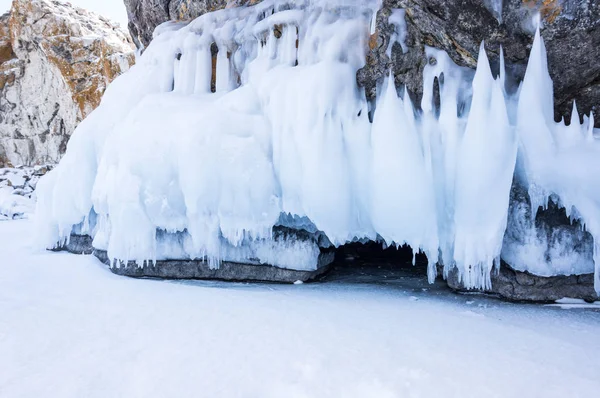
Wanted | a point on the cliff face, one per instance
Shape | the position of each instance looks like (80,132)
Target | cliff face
(571,29)
(55,63)
(145,15)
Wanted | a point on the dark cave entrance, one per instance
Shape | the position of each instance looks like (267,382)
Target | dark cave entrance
(372,262)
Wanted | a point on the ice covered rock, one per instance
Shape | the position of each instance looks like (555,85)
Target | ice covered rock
(17,186)
(250,119)
(55,63)
(571,28)
(277,260)
(516,285)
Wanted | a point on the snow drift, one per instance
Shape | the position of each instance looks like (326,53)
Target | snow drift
(196,155)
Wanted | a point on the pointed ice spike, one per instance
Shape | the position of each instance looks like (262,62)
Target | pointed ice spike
(392,82)
(483,71)
(589,136)
(409,110)
(502,72)
(574,114)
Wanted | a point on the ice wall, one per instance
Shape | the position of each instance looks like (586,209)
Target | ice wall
(198,156)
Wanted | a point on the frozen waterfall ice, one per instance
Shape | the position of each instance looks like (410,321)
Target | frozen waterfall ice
(194,155)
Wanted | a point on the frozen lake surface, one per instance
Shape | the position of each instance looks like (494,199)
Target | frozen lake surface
(70,328)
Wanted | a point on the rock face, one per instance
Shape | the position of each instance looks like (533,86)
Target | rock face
(571,30)
(523,286)
(198,269)
(145,15)
(55,63)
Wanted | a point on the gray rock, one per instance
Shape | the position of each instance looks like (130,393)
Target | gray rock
(196,269)
(78,244)
(523,286)
(145,15)
(571,30)
(186,269)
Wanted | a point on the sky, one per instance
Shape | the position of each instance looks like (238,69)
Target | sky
(113,9)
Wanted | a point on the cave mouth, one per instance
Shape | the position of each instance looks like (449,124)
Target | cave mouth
(372,262)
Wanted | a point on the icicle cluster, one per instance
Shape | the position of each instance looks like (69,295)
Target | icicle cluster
(197,155)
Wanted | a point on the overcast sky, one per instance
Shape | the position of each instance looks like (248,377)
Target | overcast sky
(113,9)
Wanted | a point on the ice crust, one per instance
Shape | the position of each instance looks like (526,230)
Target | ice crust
(286,139)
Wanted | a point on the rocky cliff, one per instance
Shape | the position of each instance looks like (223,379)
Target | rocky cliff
(571,29)
(55,63)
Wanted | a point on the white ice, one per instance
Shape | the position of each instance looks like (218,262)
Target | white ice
(288,132)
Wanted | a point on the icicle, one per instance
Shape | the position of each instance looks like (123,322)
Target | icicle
(223,71)
(482,187)
(575,115)
(203,71)
(185,81)
(398,152)
(589,136)
(597,264)
(287,45)
(502,72)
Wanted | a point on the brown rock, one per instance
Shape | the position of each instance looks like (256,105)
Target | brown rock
(55,64)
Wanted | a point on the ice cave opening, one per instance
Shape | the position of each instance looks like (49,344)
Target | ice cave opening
(374,262)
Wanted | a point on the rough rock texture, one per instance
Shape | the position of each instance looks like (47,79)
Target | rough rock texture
(145,15)
(55,63)
(571,29)
(523,286)
(195,269)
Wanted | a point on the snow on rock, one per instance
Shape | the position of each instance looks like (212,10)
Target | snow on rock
(285,139)
(55,63)
(17,191)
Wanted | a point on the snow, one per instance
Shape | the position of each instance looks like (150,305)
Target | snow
(397,19)
(287,132)
(70,328)
(17,197)
(570,303)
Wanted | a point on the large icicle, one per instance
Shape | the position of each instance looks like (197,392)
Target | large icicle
(486,162)
(403,204)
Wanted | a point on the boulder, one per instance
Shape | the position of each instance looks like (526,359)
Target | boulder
(523,286)
(199,269)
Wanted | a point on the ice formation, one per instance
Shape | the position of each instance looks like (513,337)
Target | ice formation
(167,168)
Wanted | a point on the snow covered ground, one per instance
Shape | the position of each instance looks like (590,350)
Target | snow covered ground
(70,328)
